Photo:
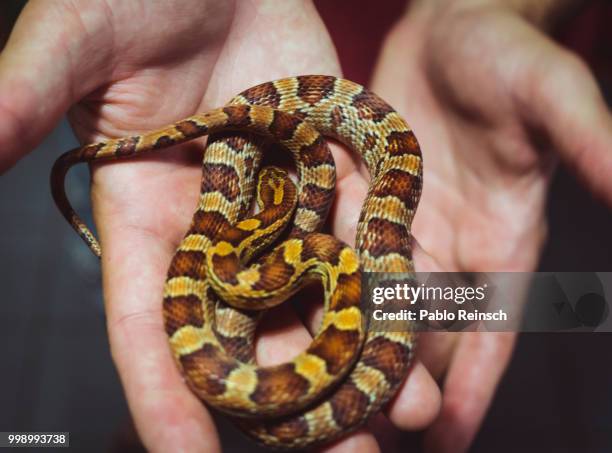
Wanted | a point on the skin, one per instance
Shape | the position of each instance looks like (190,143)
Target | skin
(116,76)
(496,105)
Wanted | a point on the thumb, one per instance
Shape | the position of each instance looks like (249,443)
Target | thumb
(55,55)
(561,96)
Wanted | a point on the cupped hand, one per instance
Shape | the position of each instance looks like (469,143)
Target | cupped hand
(495,105)
(127,67)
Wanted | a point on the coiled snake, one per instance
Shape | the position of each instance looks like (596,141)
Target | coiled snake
(348,372)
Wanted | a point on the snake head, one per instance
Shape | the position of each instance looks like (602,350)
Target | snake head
(275,187)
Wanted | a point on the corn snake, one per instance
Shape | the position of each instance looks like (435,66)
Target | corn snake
(212,342)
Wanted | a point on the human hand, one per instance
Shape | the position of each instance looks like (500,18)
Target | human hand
(495,105)
(127,67)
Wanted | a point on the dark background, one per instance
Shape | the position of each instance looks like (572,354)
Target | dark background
(57,374)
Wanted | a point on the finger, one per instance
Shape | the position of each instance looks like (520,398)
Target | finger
(361,440)
(47,64)
(281,336)
(417,402)
(167,415)
(435,351)
(478,364)
(559,94)
(351,189)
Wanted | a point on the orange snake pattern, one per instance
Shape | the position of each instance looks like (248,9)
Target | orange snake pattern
(218,283)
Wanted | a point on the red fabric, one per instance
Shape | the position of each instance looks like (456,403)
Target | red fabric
(358,28)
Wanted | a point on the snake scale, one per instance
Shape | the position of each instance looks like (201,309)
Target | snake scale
(219,280)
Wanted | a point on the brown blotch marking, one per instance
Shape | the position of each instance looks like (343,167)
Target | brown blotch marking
(400,184)
(316,153)
(370,141)
(322,246)
(127,146)
(348,405)
(226,267)
(221,178)
(236,142)
(208,223)
(284,124)
(383,237)
(182,311)
(232,235)
(163,142)
(190,128)
(337,117)
(312,89)
(188,264)
(279,384)
(238,347)
(348,291)
(207,369)
(238,115)
(387,356)
(371,107)
(264,94)
(403,142)
(288,430)
(336,347)
(273,273)
(316,198)
(89,152)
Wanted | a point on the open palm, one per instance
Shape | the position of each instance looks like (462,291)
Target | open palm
(495,104)
(127,67)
